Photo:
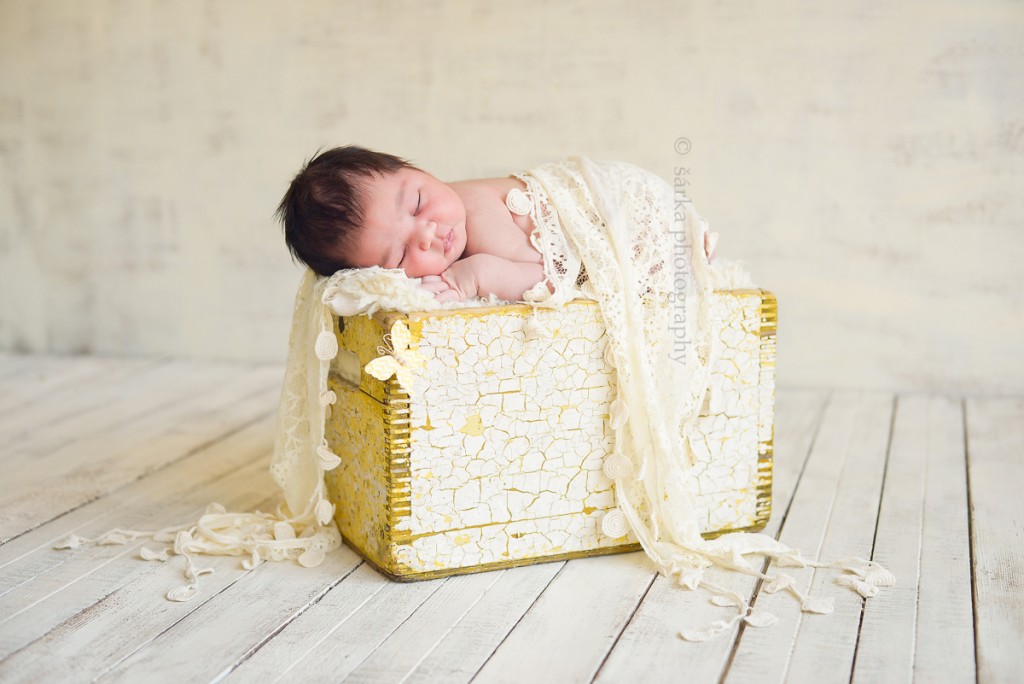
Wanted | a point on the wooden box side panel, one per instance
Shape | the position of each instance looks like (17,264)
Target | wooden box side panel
(356,431)
(502,464)
(508,443)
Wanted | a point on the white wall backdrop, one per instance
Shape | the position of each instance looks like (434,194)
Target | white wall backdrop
(866,158)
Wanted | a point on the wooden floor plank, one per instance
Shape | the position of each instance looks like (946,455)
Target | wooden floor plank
(30,561)
(16,368)
(308,631)
(366,614)
(194,392)
(20,373)
(568,632)
(851,532)
(50,582)
(651,638)
(145,496)
(231,623)
(995,460)
(886,645)
(922,628)
(62,383)
(464,649)
(91,405)
(11,364)
(847,457)
(95,465)
(427,647)
(945,634)
(408,645)
(83,618)
(117,400)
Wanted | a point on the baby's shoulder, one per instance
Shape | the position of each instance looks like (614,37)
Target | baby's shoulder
(481,192)
(490,227)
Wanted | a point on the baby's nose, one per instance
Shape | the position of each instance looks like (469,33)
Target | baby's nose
(427,237)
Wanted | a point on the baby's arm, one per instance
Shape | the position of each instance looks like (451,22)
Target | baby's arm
(480,275)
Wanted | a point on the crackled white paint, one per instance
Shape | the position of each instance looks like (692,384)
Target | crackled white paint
(509,435)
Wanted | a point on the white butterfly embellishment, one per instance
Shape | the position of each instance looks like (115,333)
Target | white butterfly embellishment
(401,360)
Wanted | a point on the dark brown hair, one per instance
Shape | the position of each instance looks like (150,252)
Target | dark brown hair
(322,211)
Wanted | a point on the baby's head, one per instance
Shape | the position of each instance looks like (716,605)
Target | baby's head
(324,209)
(351,208)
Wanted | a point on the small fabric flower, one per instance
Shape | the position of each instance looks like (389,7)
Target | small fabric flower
(326,346)
(311,558)
(518,202)
(401,360)
(146,553)
(328,460)
(822,606)
(614,524)
(616,466)
(324,512)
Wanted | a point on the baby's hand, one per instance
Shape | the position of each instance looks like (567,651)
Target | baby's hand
(461,279)
(433,283)
(453,287)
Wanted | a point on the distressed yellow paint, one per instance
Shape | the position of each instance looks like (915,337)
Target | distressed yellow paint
(474,426)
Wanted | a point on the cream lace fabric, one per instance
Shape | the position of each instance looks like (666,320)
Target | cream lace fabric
(607,231)
(617,234)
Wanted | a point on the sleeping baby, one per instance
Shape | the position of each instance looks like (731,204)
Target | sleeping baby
(350,207)
(614,233)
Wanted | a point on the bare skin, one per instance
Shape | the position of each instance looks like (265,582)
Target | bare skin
(459,238)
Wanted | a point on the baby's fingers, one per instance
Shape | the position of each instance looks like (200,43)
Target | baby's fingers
(435,287)
(449,296)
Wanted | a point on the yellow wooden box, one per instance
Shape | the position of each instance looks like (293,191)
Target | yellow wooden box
(496,458)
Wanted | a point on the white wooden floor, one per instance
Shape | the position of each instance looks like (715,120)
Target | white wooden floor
(930,486)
